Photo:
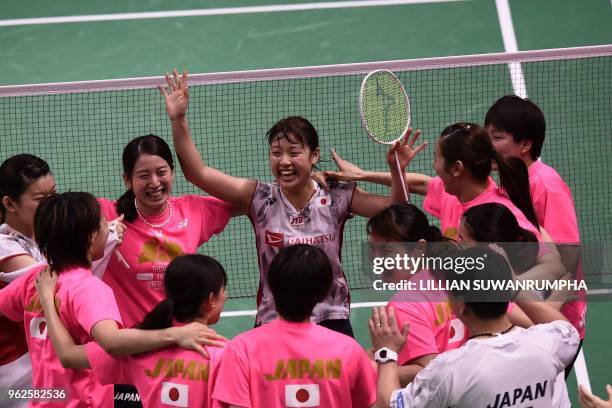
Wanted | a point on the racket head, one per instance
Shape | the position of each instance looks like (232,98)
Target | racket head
(384,107)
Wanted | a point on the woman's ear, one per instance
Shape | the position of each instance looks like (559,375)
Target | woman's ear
(127,181)
(457,169)
(525,146)
(457,306)
(315,156)
(210,302)
(420,247)
(8,204)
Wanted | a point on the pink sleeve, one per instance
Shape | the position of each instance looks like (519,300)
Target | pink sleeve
(232,385)
(555,210)
(106,368)
(215,216)
(93,302)
(216,356)
(363,391)
(433,199)
(12,297)
(108,208)
(421,338)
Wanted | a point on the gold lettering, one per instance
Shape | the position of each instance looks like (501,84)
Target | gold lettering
(156,370)
(190,370)
(333,368)
(277,372)
(318,370)
(303,368)
(202,372)
(292,368)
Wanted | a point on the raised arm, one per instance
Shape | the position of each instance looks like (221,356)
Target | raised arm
(367,204)
(16,263)
(234,190)
(113,340)
(385,333)
(537,310)
(119,342)
(347,171)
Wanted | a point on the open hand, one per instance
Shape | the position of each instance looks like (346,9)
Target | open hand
(588,400)
(384,330)
(347,171)
(45,285)
(193,335)
(177,95)
(405,150)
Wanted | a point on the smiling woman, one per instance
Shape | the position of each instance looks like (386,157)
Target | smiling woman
(160,227)
(292,209)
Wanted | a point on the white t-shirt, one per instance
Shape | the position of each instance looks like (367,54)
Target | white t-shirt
(518,369)
(14,243)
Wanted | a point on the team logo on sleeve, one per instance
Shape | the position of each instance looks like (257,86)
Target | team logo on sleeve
(274,239)
(302,395)
(38,328)
(175,394)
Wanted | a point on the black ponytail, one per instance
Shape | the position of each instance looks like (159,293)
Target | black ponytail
(514,179)
(435,235)
(188,281)
(126,206)
(160,317)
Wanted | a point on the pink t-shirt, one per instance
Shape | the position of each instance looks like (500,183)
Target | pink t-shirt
(171,376)
(554,207)
(552,200)
(284,364)
(434,328)
(135,271)
(82,300)
(449,209)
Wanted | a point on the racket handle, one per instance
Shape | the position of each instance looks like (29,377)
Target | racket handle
(402,178)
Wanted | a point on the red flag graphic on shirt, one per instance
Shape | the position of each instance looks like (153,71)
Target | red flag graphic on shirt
(38,328)
(175,394)
(302,395)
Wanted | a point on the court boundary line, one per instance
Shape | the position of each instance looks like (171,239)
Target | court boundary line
(148,15)
(511,45)
(253,312)
(312,71)
(361,305)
